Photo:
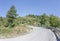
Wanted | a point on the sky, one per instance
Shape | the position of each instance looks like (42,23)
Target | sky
(36,7)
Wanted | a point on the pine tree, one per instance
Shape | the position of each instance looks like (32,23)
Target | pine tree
(11,16)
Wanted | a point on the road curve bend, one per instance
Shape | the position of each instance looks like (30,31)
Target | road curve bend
(37,34)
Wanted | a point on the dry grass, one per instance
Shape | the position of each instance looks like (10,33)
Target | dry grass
(13,32)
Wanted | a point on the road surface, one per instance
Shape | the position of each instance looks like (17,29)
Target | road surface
(37,34)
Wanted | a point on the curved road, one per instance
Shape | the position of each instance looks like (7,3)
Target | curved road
(38,34)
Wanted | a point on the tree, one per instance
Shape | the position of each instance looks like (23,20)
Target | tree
(54,21)
(30,15)
(58,23)
(1,21)
(11,16)
(44,20)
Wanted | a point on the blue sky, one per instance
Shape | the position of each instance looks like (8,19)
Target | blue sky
(25,7)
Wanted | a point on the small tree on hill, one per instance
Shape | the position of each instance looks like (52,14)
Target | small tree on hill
(11,16)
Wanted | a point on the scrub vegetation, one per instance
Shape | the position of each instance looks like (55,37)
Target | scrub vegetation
(12,24)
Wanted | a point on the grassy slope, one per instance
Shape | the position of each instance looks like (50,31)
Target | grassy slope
(13,32)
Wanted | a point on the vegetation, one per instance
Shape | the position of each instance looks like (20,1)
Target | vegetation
(44,20)
(11,21)
(11,25)
(11,16)
(13,32)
